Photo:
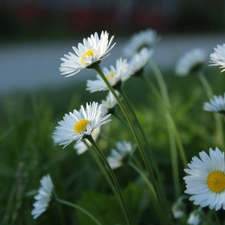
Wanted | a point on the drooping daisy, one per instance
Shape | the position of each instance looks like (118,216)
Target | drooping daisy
(137,63)
(121,154)
(82,146)
(217,104)
(43,197)
(86,55)
(192,62)
(108,105)
(218,57)
(195,217)
(178,208)
(79,124)
(206,180)
(113,74)
(143,39)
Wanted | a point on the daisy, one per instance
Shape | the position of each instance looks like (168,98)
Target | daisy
(108,105)
(79,124)
(146,38)
(217,104)
(43,197)
(195,217)
(86,55)
(137,63)
(83,145)
(113,74)
(191,62)
(218,57)
(121,154)
(206,179)
(178,208)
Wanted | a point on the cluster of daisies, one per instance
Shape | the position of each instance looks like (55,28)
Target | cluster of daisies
(77,126)
(205,180)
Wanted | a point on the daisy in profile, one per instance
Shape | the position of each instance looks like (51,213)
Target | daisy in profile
(113,74)
(192,62)
(143,39)
(108,105)
(137,63)
(78,125)
(43,197)
(218,57)
(195,217)
(83,145)
(121,154)
(217,104)
(206,179)
(86,55)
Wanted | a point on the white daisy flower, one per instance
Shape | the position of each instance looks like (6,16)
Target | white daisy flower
(114,76)
(146,38)
(108,105)
(217,104)
(87,55)
(137,63)
(191,62)
(206,179)
(83,145)
(178,208)
(195,217)
(121,154)
(218,57)
(79,124)
(43,197)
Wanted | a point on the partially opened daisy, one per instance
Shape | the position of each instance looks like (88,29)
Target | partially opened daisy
(195,217)
(121,154)
(206,179)
(108,105)
(79,124)
(113,74)
(191,63)
(143,39)
(86,55)
(43,197)
(137,63)
(218,57)
(83,145)
(217,104)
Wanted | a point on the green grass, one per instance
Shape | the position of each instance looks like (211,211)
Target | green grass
(28,153)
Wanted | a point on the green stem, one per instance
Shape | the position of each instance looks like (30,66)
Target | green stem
(114,179)
(217,117)
(79,208)
(150,170)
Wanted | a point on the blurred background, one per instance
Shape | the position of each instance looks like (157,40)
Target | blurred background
(36,33)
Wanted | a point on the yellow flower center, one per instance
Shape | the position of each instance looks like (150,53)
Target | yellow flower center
(216,181)
(108,77)
(87,53)
(81,126)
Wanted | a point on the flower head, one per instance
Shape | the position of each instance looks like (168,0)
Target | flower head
(113,75)
(195,217)
(121,154)
(86,55)
(218,57)
(82,146)
(137,63)
(79,124)
(43,197)
(191,62)
(206,180)
(108,105)
(217,104)
(143,39)
(178,208)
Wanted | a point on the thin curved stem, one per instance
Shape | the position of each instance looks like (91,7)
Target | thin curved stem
(80,209)
(114,179)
